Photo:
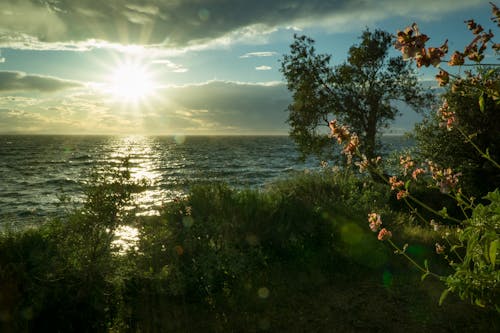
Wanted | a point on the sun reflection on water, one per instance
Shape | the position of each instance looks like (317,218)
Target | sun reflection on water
(144,165)
(126,239)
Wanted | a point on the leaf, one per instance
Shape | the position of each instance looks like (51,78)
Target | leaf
(481,103)
(407,184)
(443,295)
(493,251)
(424,276)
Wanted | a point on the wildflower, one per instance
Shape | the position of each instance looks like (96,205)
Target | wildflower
(324,164)
(189,210)
(406,163)
(351,147)
(457,59)
(402,194)
(363,164)
(384,234)
(417,172)
(395,183)
(440,248)
(341,133)
(448,181)
(448,117)
(496,13)
(436,53)
(411,42)
(443,78)
(445,179)
(375,221)
(474,27)
(434,225)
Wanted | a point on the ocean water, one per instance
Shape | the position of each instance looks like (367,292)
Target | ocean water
(36,170)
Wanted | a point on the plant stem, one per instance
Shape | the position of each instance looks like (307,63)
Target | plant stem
(433,210)
(419,267)
(484,155)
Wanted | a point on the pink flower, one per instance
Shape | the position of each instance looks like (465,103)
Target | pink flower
(406,162)
(363,164)
(417,172)
(341,133)
(443,78)
(395,183)
(447,116)
(457,59)
(375,221)
(350,149)
(384,234)
(402,194)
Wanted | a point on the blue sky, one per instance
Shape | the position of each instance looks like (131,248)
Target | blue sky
(184,67)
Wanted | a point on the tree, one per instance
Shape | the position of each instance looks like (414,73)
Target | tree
(360,92)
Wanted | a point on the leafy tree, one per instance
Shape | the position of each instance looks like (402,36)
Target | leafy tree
(361,92)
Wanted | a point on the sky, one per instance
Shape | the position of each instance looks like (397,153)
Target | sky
(171,67)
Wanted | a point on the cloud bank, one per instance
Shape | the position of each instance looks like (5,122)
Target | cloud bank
(189,23)
(214,107)
(20,81)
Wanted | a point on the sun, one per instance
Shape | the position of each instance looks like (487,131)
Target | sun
(131,82)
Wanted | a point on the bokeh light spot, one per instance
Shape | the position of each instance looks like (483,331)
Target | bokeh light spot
(263,292)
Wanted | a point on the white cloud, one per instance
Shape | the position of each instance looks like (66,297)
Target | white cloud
(173,67)
(263,68)
(258,54)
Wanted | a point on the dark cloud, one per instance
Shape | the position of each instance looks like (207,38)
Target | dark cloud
(179,23)
(233,106)
(19,81)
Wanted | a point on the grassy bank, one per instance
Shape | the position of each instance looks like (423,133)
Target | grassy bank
(296,257)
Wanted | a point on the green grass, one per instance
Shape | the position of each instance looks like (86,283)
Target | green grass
(297,256)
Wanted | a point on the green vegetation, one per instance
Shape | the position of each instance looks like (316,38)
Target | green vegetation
(445,146)
(294,257)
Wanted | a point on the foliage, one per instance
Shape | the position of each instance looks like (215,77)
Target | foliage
(65,272)
(360,92)
(477,275)
(471,247)
(445,146)
(217,260)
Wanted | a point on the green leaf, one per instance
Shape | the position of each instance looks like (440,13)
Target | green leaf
(424,276)
(493,251)
(443,295)
(481,102)
(407,184)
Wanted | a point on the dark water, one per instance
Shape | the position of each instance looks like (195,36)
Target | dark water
(35,170)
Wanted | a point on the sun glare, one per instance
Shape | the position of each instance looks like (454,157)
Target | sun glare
(131,82)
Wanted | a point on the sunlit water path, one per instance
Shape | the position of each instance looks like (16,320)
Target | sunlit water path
(36,170)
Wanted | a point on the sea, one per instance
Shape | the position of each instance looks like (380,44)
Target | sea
(36,171)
